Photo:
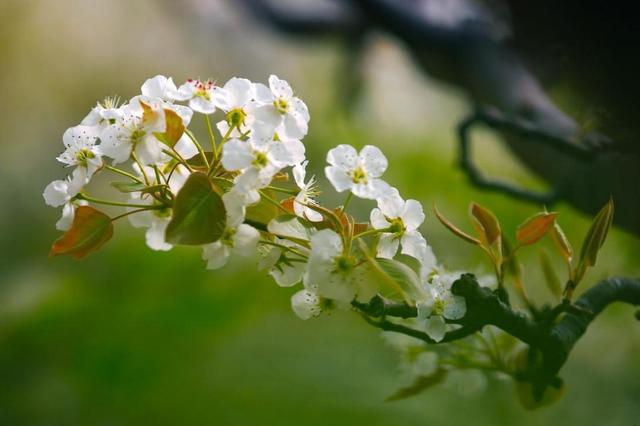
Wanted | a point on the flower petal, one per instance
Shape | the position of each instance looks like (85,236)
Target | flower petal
(373,160)
(343,156)
(236,155)
(340,180)
(413,215)
(387,246)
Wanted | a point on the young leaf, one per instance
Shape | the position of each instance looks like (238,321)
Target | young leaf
(198,163)
(486,223)
(174,129)
(90,230)
(596,235)
(290,226)
(562,243)
(404,276)
(199,215)
(419,385)
(263,211)
(534,228)
(550,276)
(451,227)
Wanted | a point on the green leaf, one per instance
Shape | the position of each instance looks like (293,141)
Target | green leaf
(486,223)
(451,227)
(263,211)
(550,276)
(198,162)
(199,215)
(562,243)
(534,228)
(421,384)
(597,235)
(174,129)
(401,274)
(90,230)
(290,226)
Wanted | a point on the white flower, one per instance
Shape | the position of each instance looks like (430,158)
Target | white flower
(401,219)
(358,172)
(202,95)
(306,194)
(307,304)
(103,114)
(265,158)
(234,99)
(81,151)
(60,193)
(238,238)
(281,111)
(439,303)
(334,274)
(285,267)
(155,221)
(134,133)
(159,87)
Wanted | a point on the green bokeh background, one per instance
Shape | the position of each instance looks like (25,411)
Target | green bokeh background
(130,336)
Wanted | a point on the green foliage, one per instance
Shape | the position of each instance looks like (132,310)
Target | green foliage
(199,215)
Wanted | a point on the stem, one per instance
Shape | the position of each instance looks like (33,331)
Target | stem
(198,146)
(123,173)
(283,190)
(212,138)
(283,247)
(144,173)
(346,202)
(118,203)
(113,219)
(272,201)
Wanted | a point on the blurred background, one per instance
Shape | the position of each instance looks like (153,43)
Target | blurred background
(130,336)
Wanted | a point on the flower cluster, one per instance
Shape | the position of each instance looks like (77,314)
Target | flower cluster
(248,192)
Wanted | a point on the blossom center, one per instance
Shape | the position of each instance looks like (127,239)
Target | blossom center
(396,226)
(358,175)
(344,264)
(438,306)
(137,135)
(261,160)
(227,236)
(236,117)
(83,155)
(282,105)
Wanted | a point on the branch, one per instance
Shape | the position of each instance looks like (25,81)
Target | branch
(552,341)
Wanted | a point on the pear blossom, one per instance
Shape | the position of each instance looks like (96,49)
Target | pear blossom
(279,110)
(335,274)
(285,267)
(159,87)
(134,133)
(103,114)
(200,94)
(439,303)
(238,238)
(357,172)
(61,193)
(234,98)
(306,194)
(265,157)
(401,220)
(307,303)
(81,151)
